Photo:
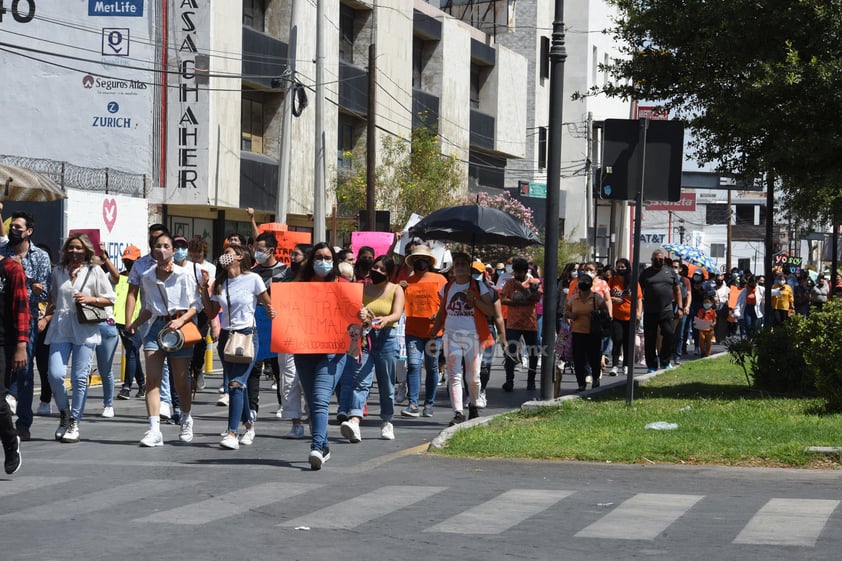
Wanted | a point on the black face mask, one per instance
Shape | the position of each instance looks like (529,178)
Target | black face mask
(128,265)
(585,284)
(622,272)
(420,265)
(657,263)
(15,236)
(377,277)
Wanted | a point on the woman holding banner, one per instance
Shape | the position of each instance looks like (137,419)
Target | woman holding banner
(236,291)
(319,373)
(383,306)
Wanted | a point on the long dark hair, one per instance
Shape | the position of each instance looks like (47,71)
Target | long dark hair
(307,273)
(222,272)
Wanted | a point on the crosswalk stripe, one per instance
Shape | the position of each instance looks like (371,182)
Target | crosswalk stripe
(359,510)
(788,522)
(641,517)
(230,504)
(98,500)
(23,484)
(500,513)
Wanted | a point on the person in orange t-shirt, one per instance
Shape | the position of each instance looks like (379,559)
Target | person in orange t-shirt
(621,299)
(521,294)
(422,303)
(704,322)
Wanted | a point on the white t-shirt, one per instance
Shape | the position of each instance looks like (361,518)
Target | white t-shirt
(460,316)
(197,268)
(243,291)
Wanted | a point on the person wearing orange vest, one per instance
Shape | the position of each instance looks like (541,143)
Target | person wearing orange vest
(465,306)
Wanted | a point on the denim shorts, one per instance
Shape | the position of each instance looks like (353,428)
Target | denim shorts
(150,341)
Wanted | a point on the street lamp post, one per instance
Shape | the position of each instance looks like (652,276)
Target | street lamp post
(558,54)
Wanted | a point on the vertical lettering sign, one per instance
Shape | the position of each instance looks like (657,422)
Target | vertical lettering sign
(188,106)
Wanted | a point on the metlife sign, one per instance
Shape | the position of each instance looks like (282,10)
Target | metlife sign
(95,111)
(119,8)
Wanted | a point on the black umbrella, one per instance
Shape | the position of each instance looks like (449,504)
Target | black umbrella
(475,225)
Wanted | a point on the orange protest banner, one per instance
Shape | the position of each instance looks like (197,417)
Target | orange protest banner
(313,317)
(287,240)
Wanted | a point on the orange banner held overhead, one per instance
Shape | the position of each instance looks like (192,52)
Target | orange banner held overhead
(287,240)
(313,317)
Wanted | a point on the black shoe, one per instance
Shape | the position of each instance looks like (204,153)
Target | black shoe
(473,413)
(530,386)
(581,388)
(508,387)
(141,392)
(457,418)
(125,393)
(13,459)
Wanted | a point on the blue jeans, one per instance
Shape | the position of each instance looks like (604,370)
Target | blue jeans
(23,381)
(679,337)
(319,375)
(105,359)
(418,349)
(381,361)
(750,322)
(237,375)
(131,351)
(83,356)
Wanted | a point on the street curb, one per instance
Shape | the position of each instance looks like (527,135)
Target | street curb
(440,441)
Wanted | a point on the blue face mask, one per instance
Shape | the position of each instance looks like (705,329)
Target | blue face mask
(180,254)
(322,268)
(707,305)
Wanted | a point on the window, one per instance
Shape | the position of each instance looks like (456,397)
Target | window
(716,214)
(417,61)
(475,86)
(717,250)
(346,34)
(345,144)
(745,214)
(252,123)
(545,57)
(253,14)
(542,147)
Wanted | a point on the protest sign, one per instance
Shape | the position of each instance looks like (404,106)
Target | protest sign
(313,317)
(380,241)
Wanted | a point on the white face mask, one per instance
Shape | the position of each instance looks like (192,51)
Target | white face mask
(574,274)
(261,257)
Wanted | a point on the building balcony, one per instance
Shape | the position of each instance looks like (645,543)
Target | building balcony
(264,58)
(482,130)
(353,88)
(425,109)
(258,181)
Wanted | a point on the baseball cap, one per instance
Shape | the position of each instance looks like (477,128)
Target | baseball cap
(478,266)
(132,253)
(179,240)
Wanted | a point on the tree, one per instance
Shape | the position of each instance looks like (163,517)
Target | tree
(412,178)
(759,82)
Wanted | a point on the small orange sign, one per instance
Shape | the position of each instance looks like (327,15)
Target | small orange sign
(287,240)
(313,317)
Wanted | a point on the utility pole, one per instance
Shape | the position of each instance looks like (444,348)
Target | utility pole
(558,54)
(729,233)
(319,213)
(371,141)
(590,200)
(284,150)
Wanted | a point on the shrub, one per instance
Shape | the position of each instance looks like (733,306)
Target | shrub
(820,345)
(779,366)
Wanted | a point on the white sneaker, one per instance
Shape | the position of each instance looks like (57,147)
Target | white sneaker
(186,432)
(482,401)
(166,411)
(317,458)
(152,439)
(230,442)
(588,379)
(280,413)
(13,403)
(387,431)
(296,432)
(248,437)
(274,386)
(613,371)
(223,400)
(44,409)
(221,388)
(351,431)
(72,432)
(108,412)
(400,392)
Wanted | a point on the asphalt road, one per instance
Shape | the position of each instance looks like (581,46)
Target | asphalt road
(106,498)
